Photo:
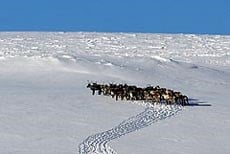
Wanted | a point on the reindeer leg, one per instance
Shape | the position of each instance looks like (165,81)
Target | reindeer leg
(93,91)
(122,97)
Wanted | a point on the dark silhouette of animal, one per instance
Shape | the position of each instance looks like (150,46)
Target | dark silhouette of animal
(131,92)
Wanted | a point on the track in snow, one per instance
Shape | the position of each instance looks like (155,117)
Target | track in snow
(98,143)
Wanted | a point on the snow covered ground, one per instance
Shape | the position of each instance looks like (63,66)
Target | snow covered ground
(46,108)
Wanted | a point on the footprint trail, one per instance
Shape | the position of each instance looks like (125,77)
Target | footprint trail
(98,143)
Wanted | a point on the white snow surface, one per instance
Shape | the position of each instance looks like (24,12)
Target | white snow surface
(45,107)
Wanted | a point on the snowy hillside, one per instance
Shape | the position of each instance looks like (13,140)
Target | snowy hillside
(46,108)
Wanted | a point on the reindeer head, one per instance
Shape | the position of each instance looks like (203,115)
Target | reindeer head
(88,85)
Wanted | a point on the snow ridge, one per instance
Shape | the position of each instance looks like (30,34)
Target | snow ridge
(98,143)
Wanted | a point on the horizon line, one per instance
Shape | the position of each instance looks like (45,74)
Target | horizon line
(124,32)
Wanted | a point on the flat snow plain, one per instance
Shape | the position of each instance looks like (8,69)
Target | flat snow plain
(45,107)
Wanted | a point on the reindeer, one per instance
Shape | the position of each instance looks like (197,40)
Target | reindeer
(94,87)
(184,100)
(155,94)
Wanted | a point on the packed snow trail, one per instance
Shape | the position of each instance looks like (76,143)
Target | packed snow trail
(98,143)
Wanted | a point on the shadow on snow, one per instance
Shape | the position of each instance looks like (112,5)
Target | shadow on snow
(197,102)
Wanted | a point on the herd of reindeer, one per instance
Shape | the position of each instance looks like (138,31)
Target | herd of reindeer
(131,92)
